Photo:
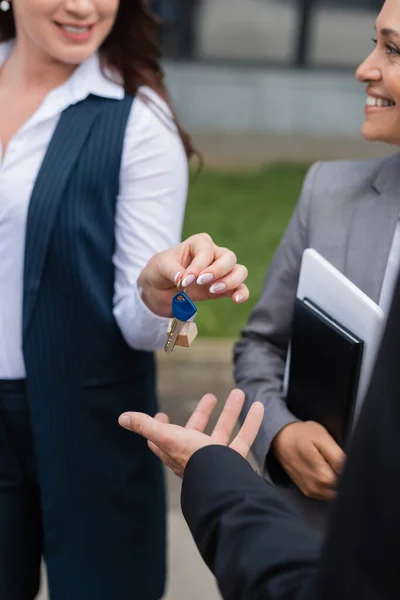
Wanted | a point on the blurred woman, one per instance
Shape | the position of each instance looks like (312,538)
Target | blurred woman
(93,182)
(349,212)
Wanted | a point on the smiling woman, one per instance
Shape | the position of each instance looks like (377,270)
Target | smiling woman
(93,184)
(124,32)
(381,73)
(49,25)
(349,212)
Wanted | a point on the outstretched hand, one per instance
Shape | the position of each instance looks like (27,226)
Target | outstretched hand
(175,445)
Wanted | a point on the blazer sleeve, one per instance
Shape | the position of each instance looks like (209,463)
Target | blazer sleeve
(252,542)
(260,355)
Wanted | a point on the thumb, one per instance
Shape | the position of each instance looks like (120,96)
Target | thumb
(163,271)
(168,265)
(142,424)
(332,452)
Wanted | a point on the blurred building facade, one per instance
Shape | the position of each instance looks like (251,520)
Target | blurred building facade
(280,67)
(333,33)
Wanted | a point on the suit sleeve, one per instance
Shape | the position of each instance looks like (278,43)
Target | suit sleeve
(260,355)
(252,542)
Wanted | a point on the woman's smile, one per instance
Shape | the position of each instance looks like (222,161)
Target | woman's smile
(377,104)
(76,32)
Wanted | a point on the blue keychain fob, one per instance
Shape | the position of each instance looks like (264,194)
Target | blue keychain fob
(183,308)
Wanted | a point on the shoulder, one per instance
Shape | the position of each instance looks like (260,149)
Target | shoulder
(349,174)
(151,128)
(151,113)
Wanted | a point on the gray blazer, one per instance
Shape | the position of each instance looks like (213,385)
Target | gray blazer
(348,212)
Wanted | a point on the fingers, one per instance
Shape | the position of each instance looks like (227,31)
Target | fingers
(201,416)
(231,282)
(322,479)
(197,260)
(225,275)
(298,448)
(162,418)
(249,430)
(202,248)
(224,261)
(320,476)
(241,294)
(216,268)
(325,476)
(324,494)
(316,479)
(331,452)
(144,425)
(228,418)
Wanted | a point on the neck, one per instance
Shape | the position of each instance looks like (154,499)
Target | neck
(30,69)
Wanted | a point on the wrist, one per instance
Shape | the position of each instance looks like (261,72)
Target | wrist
(156,302)
(280,441)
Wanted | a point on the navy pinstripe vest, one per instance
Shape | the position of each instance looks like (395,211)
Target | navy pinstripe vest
(102,490)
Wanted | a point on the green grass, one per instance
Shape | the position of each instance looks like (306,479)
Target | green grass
(248,213)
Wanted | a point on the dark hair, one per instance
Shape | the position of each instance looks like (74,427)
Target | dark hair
(131,50)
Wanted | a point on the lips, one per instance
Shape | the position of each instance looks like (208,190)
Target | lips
(77,33)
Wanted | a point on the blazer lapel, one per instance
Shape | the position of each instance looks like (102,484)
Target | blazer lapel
(69,137)
(372,230)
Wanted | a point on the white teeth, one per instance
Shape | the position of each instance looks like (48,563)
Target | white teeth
(380,102)
(72,29)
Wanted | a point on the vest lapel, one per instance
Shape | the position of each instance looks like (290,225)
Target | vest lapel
(69,137)
(372,230)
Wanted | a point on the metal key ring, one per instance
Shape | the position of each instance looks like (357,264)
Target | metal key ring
(178,285)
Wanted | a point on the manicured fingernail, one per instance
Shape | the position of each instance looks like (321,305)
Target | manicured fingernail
(189,279)
(205,278)
(217,288)
(125,421)
(239,298)
(177,276)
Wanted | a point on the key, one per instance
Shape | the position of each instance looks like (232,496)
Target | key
(187,334)
(183,309)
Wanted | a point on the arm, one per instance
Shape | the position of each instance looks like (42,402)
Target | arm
(260,355)
(149,214)
(255,546)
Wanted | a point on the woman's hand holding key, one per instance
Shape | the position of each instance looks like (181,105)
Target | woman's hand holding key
(207,270)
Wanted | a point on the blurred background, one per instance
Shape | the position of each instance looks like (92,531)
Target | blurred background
(266,87)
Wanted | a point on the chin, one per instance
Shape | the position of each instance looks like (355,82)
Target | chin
(77,60)
(371,134)
(74,57)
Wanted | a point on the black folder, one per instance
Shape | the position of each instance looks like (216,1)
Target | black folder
(324,370)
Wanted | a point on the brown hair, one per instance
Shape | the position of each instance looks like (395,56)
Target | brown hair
(131,50)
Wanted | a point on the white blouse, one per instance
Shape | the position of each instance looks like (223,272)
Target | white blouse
(149,211)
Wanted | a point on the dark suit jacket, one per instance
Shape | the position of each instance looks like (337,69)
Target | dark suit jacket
(258,548)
